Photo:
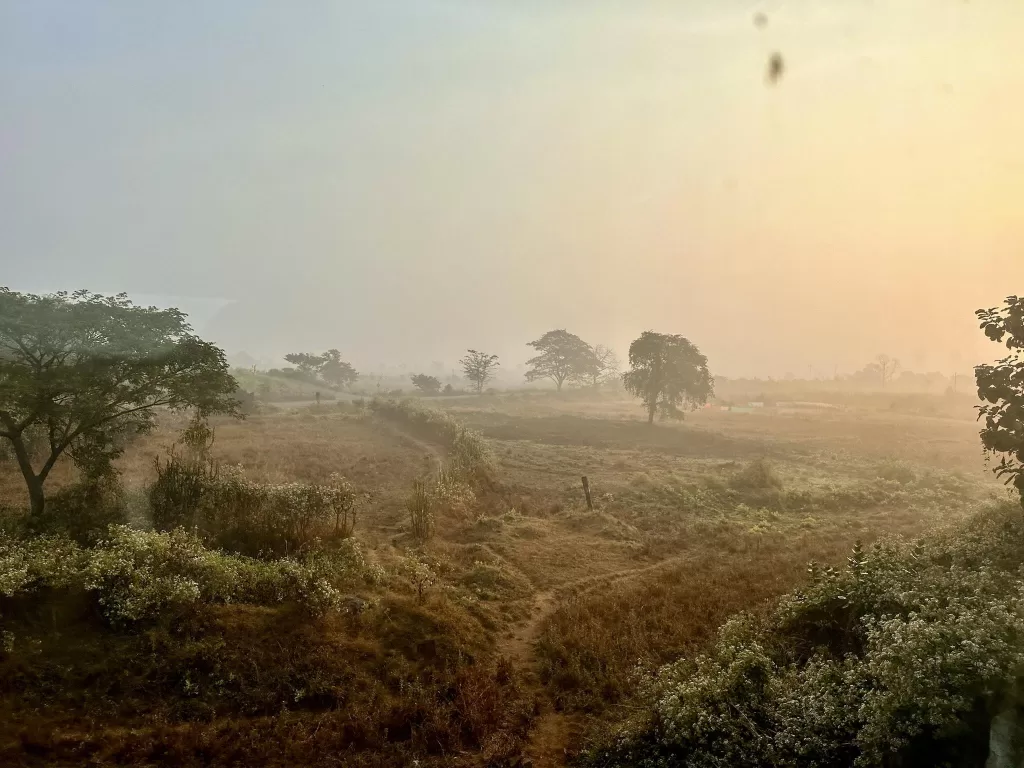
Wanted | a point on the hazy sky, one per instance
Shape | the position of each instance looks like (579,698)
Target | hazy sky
(403,180)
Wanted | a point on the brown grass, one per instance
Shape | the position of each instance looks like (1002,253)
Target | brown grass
(574,599)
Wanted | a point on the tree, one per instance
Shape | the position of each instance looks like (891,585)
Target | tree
(604,365)
(563,356)
(665,372)
(306,362)
(81,372)
(335,371)
(327,367)
(428,385)
(1001,387)
(479,368)
(886,367)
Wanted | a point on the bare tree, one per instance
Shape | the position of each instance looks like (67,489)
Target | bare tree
(604,365)
(887,367)
(479,368)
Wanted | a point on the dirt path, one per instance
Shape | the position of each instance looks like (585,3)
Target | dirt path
(552,730)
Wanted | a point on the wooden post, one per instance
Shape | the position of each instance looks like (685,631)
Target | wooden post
(586,490)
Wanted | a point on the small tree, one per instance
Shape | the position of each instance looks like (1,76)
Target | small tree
(335,371)
(563,356)
(428,385)
(1001,387)
(81,372)
(479,368)
(886,367)
(604,365)
(665,372)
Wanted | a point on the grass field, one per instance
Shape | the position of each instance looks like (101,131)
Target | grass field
(692,522)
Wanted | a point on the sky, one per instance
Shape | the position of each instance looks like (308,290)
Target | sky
(405,180)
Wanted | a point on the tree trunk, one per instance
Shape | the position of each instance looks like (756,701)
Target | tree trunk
(36,499)
(650,412)
(32,480)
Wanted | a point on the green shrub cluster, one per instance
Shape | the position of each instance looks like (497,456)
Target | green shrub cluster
(142,576)
(903,655)
(237,514)
(83,510)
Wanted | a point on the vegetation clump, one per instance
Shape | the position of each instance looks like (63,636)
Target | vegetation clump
(908,651)
(147,576)
(238,514)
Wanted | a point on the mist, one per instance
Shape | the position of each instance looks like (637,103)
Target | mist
(403,180)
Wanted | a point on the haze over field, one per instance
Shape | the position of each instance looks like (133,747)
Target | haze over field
(403,180)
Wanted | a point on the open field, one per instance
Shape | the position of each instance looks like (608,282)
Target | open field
(692,522)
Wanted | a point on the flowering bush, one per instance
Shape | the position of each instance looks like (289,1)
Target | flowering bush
(140,576)
(45,561)
(895,654)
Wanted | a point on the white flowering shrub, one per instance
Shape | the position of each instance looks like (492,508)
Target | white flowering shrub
(44,561)
(894,655)
(142,576)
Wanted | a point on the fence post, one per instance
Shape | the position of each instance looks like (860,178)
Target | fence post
(586,490)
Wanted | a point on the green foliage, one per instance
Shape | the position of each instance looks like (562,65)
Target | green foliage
(479,368)
(563,357)
(38,562)
(86,372)
(240,515)
(327,367)
(141,577)
(335,371)
(1001,387)
(667,371)
(83,510)
(428,385)
(894,655)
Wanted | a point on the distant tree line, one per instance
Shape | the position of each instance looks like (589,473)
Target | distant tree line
(667,372)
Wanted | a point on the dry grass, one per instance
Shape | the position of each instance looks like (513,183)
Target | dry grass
(693,522)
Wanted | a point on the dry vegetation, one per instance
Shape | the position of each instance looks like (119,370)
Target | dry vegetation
(513,627)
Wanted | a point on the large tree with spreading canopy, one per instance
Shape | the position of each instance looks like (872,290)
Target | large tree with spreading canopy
(667,371)
(80,372)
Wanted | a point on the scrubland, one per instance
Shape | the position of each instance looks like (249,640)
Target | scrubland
(477,612)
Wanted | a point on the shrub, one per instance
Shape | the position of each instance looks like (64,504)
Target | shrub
(244,516)
(897,472)
(895,655)
(421,511)
(39,562)
(759,475)
(139,576)
(83,510)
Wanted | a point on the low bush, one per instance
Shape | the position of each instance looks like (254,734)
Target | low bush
(83,510)
(905,655)
(759,475)
(144,576)
(240,515)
